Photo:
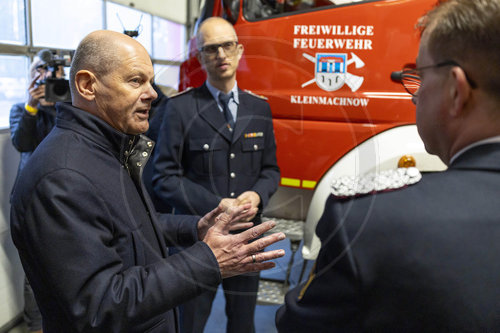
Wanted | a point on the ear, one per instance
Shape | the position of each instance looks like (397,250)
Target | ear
(199,56)
(240,50)
(460,91)
(85,84)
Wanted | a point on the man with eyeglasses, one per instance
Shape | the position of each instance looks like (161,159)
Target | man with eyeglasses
(423,258)
(216,142)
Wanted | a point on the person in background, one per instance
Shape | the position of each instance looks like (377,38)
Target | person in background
(217,141)
(30,122)
(93,248)
(156,114)
(158,108)
(423,258)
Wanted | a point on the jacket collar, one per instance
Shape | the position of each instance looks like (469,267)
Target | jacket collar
(484,157)
(121,145)
(245,114)
(216,92)
(208,109)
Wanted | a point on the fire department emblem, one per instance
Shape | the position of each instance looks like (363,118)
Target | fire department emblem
(331,71)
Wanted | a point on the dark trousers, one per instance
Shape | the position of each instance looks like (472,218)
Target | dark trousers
(240,293)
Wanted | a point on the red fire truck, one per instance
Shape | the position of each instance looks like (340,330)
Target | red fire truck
(324,66)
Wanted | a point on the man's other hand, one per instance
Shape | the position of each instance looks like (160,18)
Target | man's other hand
(237,216)
(248,197)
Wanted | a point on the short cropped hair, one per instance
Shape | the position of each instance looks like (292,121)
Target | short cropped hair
(94,54)
(467,31)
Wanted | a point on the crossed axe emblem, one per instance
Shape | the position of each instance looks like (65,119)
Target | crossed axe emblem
(353,81)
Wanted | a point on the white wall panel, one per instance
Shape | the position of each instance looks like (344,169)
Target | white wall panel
(11,272)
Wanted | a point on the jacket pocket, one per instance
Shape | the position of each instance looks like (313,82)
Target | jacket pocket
(207,157)
(253,148)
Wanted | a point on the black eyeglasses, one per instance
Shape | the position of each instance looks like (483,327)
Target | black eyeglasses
(411,80)
(212,49)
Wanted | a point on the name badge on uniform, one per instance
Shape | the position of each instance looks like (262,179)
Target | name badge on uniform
(254,135)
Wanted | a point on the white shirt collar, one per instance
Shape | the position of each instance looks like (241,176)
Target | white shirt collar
(215,92)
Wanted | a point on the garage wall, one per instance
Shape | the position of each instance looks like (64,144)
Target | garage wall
(11,272)
(173,10)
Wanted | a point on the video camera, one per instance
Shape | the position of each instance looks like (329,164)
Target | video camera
(56,89)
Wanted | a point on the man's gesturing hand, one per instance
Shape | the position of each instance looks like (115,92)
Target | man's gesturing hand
(234,252)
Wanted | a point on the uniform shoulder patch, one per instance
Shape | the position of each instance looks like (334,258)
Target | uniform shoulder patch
(254,94)
(384,181)
(180,93)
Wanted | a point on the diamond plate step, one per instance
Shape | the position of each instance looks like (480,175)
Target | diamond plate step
(293,229)
(271,292)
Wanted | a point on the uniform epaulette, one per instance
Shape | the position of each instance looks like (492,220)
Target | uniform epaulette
(181,92)
(384,181)
(254,94)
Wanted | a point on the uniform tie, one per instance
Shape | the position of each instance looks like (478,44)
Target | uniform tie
(224,101)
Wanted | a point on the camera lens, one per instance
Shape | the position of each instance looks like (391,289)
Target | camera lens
(60,88)
(57,90)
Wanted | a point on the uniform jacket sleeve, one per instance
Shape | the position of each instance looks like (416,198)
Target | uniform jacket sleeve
(330,300)
(83,264)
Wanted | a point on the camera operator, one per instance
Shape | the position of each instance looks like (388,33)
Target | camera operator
(30,122)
